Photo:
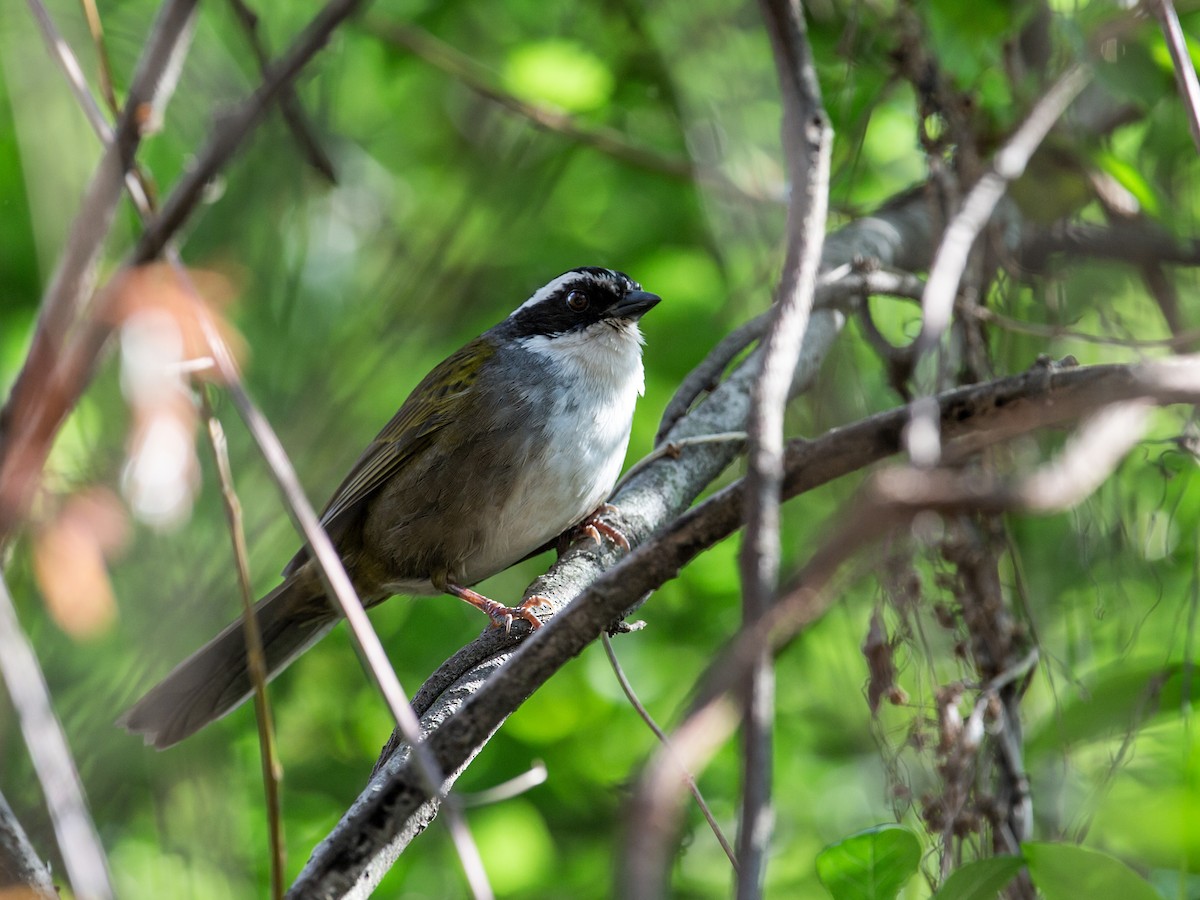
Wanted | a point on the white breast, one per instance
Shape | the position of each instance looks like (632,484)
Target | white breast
(574,466)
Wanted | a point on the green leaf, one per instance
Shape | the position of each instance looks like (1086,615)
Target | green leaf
(1132,179)
(980,880)
(1068,872)
(871,865)
(1120,697)
(969,37)
(560,73)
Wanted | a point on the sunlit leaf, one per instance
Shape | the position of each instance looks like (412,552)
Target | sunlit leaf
(871,865)
(1133,179)
(560,73)
(1069,872)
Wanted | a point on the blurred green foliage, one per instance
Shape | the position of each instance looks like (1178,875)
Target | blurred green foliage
(448,211)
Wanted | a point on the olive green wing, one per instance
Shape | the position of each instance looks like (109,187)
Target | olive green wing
(437,401)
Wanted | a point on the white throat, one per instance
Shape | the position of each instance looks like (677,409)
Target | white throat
(603,359)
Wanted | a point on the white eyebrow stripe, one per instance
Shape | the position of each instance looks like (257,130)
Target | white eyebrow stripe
(547,289)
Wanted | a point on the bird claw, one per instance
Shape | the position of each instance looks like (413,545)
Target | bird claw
(594,528)
(503,616)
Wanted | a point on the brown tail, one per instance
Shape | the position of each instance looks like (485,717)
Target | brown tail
(215,679)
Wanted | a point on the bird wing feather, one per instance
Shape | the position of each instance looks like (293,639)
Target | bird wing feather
(434,403)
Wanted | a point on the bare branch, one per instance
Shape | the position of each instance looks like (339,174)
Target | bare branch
(272,770)
(78,842)
(234,128)
(1185,69)
(289,103)
(807,142)
(1139,242)
(951,259)
(836,289)
(22,871)
(689,779)
(1084,464)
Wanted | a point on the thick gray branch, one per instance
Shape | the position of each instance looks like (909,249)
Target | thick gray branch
(394,808)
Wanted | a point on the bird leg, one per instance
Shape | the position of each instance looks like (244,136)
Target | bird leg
(593,526)
(501,615)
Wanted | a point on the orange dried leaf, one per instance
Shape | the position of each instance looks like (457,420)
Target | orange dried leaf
(193,298)
(68,564)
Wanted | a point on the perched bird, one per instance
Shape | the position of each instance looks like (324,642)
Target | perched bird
(504,446)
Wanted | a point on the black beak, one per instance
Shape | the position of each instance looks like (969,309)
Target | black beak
(633,305)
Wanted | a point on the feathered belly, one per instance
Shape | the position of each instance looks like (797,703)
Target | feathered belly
(569,473)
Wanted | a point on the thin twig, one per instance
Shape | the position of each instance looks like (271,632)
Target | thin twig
(952,254)
(506,790)
(136,182)
(674,448)
(834,289)
(610,142)
(1185,71)
(289,102)
(234,128)
(272,769)
(97,30)
(1181,341)
(688,777)
(78,842)
(707,375)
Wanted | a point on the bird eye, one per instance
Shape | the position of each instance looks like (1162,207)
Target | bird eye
(577,301)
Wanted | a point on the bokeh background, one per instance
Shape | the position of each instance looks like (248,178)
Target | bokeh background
(449,210)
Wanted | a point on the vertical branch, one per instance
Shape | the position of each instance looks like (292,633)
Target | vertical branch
(256,662)
(87,869)
(1001,659)
(807,137)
